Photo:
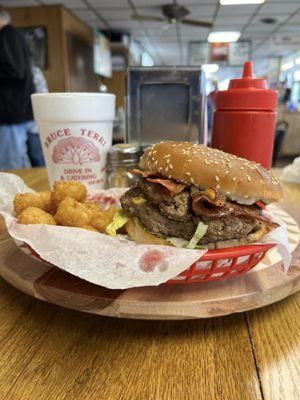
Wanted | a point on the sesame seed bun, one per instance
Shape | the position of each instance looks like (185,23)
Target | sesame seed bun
(237,178)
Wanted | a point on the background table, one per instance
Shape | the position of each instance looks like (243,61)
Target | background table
(48,352)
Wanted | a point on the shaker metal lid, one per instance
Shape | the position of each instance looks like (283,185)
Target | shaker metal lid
(124,152)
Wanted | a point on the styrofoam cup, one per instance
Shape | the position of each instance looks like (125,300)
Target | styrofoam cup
(76,134)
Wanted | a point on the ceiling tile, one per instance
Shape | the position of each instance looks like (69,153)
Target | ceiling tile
(86,15)
(279,18)
(295,19)
(260,28)
(207,10)
(237,10)
(236,19)
(18,3)
(290,28)
(66,3)
(115,13)
(108,3)
(280,8)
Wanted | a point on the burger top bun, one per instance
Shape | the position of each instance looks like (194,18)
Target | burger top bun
(237,178)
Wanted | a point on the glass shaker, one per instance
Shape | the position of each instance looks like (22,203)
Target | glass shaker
(122,158)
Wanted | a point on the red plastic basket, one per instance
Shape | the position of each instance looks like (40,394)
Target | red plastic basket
(222,264)
(214,265)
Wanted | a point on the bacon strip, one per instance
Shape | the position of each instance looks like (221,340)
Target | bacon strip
(144,174)
(172,186)
(207,203)
(246,211)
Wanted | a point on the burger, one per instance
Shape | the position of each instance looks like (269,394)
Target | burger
(190,195)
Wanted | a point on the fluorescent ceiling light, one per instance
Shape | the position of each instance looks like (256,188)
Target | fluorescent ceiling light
(210,68)
(231,2)
(287,66)
(223,37)
(297,61)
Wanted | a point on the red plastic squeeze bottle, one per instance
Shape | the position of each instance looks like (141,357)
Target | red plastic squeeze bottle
(244,118)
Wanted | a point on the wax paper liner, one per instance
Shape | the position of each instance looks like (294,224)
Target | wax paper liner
(112,262)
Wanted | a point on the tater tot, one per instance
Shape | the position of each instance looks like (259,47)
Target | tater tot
(100,218)
(89,228)
(40,200)
(62,190)
(34,215)
(72,213)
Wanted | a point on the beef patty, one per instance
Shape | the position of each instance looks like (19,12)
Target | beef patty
(166,215)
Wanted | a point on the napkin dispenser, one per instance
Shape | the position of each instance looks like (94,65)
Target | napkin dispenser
(165,103)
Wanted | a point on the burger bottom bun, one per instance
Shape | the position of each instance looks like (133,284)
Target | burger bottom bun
(137,233)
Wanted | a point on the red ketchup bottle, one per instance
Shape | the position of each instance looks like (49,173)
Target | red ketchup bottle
(244,118)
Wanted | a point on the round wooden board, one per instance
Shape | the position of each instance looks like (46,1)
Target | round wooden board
(258,288)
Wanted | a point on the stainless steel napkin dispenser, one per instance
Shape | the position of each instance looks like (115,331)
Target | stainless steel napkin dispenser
(165,103)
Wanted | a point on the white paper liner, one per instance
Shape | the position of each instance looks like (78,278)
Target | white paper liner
(112,262)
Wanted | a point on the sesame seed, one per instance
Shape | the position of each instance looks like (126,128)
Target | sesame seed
(216,162)
(192,180)
(170,166)
(156,162)
(188,173)
(218,186)
(249,178)
(167,156)
(152,158)
(226,172)
(206,162)
(242,168)
(167,169)
(189,160)
(217,178)
(169,176)
(234,178)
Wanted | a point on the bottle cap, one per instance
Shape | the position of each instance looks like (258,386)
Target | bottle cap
(246,93)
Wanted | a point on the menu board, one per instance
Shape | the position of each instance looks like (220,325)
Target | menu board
(232,54)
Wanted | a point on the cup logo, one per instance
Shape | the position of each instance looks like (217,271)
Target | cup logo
(75,150)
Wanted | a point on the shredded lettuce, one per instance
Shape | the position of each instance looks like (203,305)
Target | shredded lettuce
(177,242)
(119,220)
(199,233)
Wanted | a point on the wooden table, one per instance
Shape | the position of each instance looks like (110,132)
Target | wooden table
(49,352)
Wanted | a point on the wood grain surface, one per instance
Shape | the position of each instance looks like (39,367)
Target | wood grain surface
(264,285)
(48,352)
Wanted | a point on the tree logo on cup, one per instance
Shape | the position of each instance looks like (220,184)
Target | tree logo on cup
(75,150)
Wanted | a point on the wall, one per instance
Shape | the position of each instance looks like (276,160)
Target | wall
(58,21)
(71,24)
(51,18)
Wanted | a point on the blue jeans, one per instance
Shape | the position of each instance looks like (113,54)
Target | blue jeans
(19,146)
